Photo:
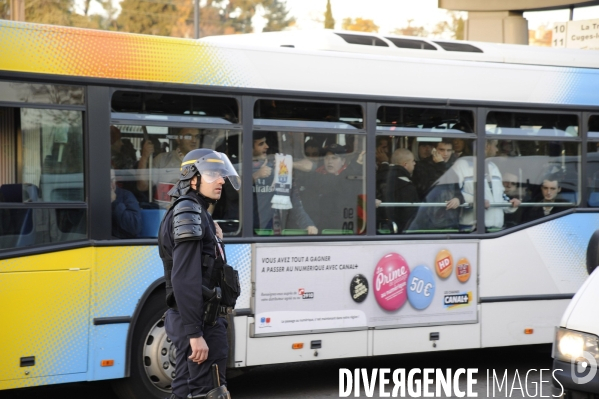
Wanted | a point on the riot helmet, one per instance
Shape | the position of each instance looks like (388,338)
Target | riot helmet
(210,164)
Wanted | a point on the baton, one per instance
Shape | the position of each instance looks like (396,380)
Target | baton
(215,377)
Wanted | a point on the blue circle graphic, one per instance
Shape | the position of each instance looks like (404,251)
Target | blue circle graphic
(421,287)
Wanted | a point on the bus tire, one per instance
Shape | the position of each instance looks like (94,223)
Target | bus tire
(152,355)
(593,252)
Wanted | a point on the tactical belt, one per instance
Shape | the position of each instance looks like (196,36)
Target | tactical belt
(223,311)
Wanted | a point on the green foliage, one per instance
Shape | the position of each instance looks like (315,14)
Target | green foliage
(329,21)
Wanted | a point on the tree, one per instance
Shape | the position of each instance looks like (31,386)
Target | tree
(154,17)
(53,12)
(5,9)
(411,30)
(360,25)
(277,15)
(329,21)
(454,27)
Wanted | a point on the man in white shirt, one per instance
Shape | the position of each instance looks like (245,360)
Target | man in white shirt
(494,191)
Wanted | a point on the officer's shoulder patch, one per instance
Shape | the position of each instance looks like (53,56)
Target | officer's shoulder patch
(187,222)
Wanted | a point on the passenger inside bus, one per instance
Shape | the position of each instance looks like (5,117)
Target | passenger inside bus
(430,169)
(494,192)
(126,212)
(267,220)
(334,192)
(399,188)
(460,149)
(514,189)
(166,166)
(382,150)
(550,190)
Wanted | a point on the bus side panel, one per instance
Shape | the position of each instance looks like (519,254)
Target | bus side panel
(546,259)
(504,323)
(45,326)
(426,339)
(272,350)
(121,277)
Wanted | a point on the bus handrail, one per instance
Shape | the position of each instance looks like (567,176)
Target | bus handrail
(469,204)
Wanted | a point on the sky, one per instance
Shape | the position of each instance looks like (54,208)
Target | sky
(392,14)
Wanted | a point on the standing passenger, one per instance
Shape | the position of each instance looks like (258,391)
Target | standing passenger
(265,216)
(399,188)
(494,191)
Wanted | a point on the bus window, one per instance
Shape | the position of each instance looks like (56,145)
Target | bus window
(146,163)
(433,120)
(308,183)
(305,115)
(175,107)
(46,167)
(41,93)
(531,124)
(528,180)
(419,191)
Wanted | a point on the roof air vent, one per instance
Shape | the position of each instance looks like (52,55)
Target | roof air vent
(362,39)
(463,47)
(410,43)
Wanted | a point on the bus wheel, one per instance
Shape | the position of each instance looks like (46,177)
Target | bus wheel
(152,356)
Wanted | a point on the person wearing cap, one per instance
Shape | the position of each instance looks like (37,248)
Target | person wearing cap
(191,248)
(335,190)
(265,217)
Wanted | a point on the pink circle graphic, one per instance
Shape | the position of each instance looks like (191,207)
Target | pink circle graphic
(390,281)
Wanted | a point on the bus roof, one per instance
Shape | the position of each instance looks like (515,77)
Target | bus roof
(410,46)
(247,61)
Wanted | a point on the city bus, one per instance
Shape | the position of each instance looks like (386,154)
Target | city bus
(323,128)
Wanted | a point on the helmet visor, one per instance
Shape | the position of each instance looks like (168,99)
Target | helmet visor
(216,165)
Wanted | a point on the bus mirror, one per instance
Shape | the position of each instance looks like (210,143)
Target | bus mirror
(593,252)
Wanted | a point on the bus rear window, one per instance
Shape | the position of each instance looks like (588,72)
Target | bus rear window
(204,109)
(308,114)
(434,120)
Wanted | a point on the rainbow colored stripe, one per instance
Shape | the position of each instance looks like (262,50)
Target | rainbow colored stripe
(89,53)
(51,301)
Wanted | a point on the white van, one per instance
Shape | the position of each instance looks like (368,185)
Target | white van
(576,344)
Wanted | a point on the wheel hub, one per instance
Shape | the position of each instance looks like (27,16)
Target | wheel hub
(159,357)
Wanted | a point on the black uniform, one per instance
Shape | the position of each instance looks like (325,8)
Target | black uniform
(190,253)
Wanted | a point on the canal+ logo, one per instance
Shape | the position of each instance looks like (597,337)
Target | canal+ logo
(454,300)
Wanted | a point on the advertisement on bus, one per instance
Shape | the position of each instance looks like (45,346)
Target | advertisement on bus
(348,286)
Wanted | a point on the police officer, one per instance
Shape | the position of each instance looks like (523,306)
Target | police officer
(190,247)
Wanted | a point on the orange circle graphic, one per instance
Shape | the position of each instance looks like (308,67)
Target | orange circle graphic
(463,270)
(444,263)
